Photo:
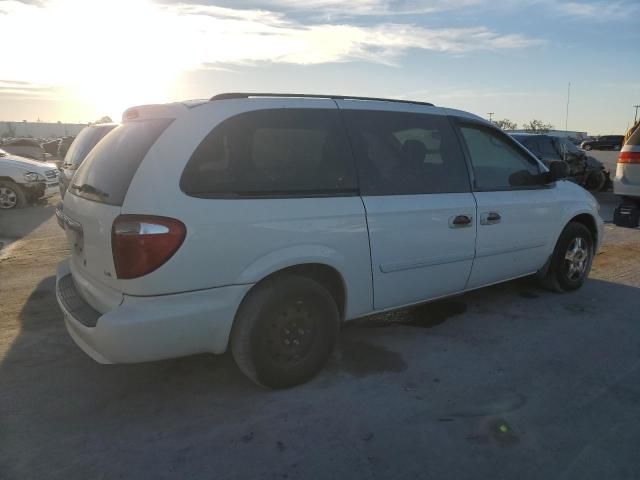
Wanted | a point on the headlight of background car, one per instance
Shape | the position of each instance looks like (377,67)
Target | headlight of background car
(33,177)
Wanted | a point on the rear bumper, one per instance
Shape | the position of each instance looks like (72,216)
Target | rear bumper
(623,185)
(625,189)
(143,329)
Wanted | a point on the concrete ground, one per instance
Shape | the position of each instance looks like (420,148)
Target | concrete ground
(506,382)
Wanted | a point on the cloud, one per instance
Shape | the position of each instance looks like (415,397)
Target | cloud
(190,35)
(354,8)
(600,10)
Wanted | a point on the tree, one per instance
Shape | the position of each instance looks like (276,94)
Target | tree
(537,126)
(506,124)
(105,119)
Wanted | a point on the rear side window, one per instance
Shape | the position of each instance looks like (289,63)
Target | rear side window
(634,139)
(108,169)
(401,153)
(301,152)
(530,143)
(547,148)
(84,142)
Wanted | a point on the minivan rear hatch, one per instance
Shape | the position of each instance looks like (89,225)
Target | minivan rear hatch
(630,157)
(97,192)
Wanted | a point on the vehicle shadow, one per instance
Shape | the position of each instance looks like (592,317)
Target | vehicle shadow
(18,223)
(65,416)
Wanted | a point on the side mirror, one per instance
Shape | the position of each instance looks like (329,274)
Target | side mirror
(558,171)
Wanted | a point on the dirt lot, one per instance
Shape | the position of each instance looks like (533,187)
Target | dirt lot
(506,382)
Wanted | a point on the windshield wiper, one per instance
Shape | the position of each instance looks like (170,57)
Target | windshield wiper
(90,189)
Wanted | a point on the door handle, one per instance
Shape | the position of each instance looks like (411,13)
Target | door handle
(490,218)
(460,221)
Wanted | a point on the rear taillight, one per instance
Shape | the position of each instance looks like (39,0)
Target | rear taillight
(143,243)
(629,157)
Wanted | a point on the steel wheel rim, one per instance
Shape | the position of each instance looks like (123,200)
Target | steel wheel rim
(291,333)
(8,197)
(576,258)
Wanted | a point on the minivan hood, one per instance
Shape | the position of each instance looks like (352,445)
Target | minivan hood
(27,164)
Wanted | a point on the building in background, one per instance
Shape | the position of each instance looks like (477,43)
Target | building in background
(39,129)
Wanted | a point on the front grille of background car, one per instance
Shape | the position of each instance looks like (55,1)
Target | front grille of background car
(51,174)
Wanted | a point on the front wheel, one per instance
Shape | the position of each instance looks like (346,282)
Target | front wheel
(284,331)
(11,195)
(595,181)
(571,260)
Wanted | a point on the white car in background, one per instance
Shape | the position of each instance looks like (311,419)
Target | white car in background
(23,181)
(262,222)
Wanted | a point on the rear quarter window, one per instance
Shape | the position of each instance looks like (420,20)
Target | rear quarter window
(634,139)
(108,169)
(274,152)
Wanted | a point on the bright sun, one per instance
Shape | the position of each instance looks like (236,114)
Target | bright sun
(114,54)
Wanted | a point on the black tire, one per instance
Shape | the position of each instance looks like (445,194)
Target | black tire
(587,147)
(561,276)
(284,331)
(595,181)
(11,195)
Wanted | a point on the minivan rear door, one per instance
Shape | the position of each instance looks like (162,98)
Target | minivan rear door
(420,211)
(95,198)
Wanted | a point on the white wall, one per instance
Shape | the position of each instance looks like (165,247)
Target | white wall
(39,129)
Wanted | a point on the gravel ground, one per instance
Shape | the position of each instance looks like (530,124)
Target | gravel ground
(505,382)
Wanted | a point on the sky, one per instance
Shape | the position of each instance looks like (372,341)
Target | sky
(77,60)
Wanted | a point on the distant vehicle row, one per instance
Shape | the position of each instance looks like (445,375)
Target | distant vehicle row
(605,142)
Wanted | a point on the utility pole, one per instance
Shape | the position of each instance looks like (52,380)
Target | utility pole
(491,115)
(635,118)
(566,118)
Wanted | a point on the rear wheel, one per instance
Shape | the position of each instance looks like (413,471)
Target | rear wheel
(284,331)
(11,195)
(571,260)
(587,147)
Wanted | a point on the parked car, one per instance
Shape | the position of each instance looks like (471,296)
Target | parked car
(584,170)
(24,181)
(261,223)
(627,180)
(24,147)
(63,146)
(51,146)
(81,146)
(605,142)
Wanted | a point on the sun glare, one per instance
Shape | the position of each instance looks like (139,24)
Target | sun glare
(114,54)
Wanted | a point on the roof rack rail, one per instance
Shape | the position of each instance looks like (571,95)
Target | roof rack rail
(227,96)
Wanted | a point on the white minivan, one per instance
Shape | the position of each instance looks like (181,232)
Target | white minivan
(261,222)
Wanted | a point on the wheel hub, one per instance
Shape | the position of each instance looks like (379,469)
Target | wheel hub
(576,258)
(291,333)
(8,198)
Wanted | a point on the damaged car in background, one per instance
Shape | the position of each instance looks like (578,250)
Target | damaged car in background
(584,170)
(24,181)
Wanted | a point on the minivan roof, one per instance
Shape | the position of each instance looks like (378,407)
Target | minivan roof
(175,109)
(232,95)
